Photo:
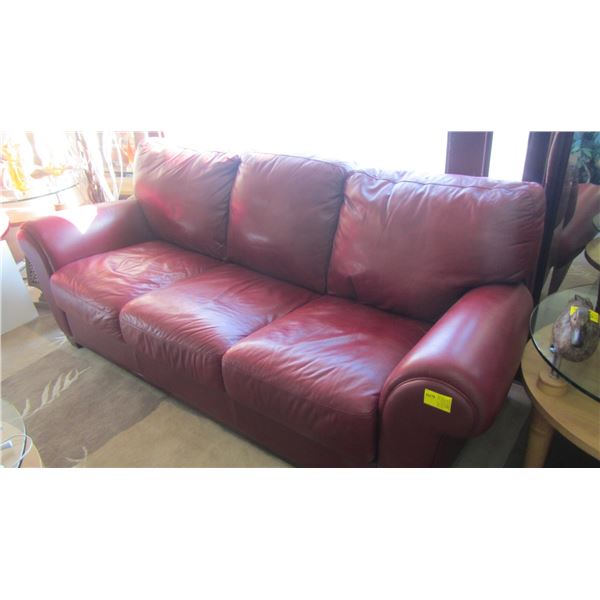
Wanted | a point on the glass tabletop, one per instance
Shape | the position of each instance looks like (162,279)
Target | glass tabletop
(40,188)
(584,375)
(11,426)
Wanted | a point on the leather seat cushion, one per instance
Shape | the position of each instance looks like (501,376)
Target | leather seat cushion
(189,326)
(97,287)
(320,370)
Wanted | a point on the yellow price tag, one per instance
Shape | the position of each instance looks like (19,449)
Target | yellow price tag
(438,401)
(593,315)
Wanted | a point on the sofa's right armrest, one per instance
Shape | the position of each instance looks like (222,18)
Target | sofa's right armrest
(56,240)
(86,230)
(467,360)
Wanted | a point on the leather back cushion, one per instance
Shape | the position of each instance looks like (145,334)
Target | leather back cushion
(185,195)
(415,245)
(284,211)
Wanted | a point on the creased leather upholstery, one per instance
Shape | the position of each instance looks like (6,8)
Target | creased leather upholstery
(415,245)
(185,194)
(284,211)
(320,369)
(189,326)
(97,287)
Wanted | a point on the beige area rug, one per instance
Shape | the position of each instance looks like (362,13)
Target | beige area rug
(174,436)
(580,273)
(81,410)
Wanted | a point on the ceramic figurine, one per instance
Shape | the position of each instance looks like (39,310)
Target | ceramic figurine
(576,332)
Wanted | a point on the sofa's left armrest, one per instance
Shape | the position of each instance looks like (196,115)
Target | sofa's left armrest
(51,242)
(470,355)
(69,235)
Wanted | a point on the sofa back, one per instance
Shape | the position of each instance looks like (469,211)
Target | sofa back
(414,245)
(185,195)
(408,244)
(283,216)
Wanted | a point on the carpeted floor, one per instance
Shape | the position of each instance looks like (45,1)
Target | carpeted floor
(81,410)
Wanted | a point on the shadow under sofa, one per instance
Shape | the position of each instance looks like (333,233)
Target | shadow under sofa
(337,317)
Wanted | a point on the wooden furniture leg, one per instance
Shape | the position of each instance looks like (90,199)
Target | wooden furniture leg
(538,443)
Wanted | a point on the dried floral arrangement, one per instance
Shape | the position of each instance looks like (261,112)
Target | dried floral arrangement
(34,160)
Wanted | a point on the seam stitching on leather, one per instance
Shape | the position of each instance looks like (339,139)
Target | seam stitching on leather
(91,302)
(297,398)
(228,216)
(298,433)
(235,365)
(339,165)
(423,183)
(535,248)
(178,344)
(109,311)
(335,230)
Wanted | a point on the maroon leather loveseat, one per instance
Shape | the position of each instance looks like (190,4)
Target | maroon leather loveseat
(337,317)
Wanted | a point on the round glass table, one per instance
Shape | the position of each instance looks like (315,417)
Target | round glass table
(41,188)
(585,375)
(10,197)
(13,434)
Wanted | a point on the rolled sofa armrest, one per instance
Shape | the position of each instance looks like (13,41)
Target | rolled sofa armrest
(51,242)
(452,384)
(72,234)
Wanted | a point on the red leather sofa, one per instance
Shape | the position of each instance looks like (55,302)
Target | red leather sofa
(326,313)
